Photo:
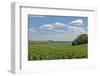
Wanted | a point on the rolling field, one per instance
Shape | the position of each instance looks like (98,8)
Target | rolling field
(56,51)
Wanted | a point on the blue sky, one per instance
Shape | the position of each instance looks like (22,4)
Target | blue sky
(57,28)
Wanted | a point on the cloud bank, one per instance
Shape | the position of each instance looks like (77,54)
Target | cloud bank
(61,31)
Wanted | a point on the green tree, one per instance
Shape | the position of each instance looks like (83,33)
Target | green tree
(81,39)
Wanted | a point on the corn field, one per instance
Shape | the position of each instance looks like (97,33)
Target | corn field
(53,51)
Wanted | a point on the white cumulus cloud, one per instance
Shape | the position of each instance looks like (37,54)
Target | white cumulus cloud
(77,23)
(47,27)
(76,27)
(55,26)
(59,25)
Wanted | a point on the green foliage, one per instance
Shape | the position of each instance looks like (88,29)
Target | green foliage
(56,51)
(82,39)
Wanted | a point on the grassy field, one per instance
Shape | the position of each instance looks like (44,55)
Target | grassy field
(56,51)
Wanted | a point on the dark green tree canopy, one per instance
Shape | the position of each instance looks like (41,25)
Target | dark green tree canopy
(81,39)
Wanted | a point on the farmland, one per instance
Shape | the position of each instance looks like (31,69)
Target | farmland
(54,50)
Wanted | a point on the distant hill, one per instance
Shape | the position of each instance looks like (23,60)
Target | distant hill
(48,41)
